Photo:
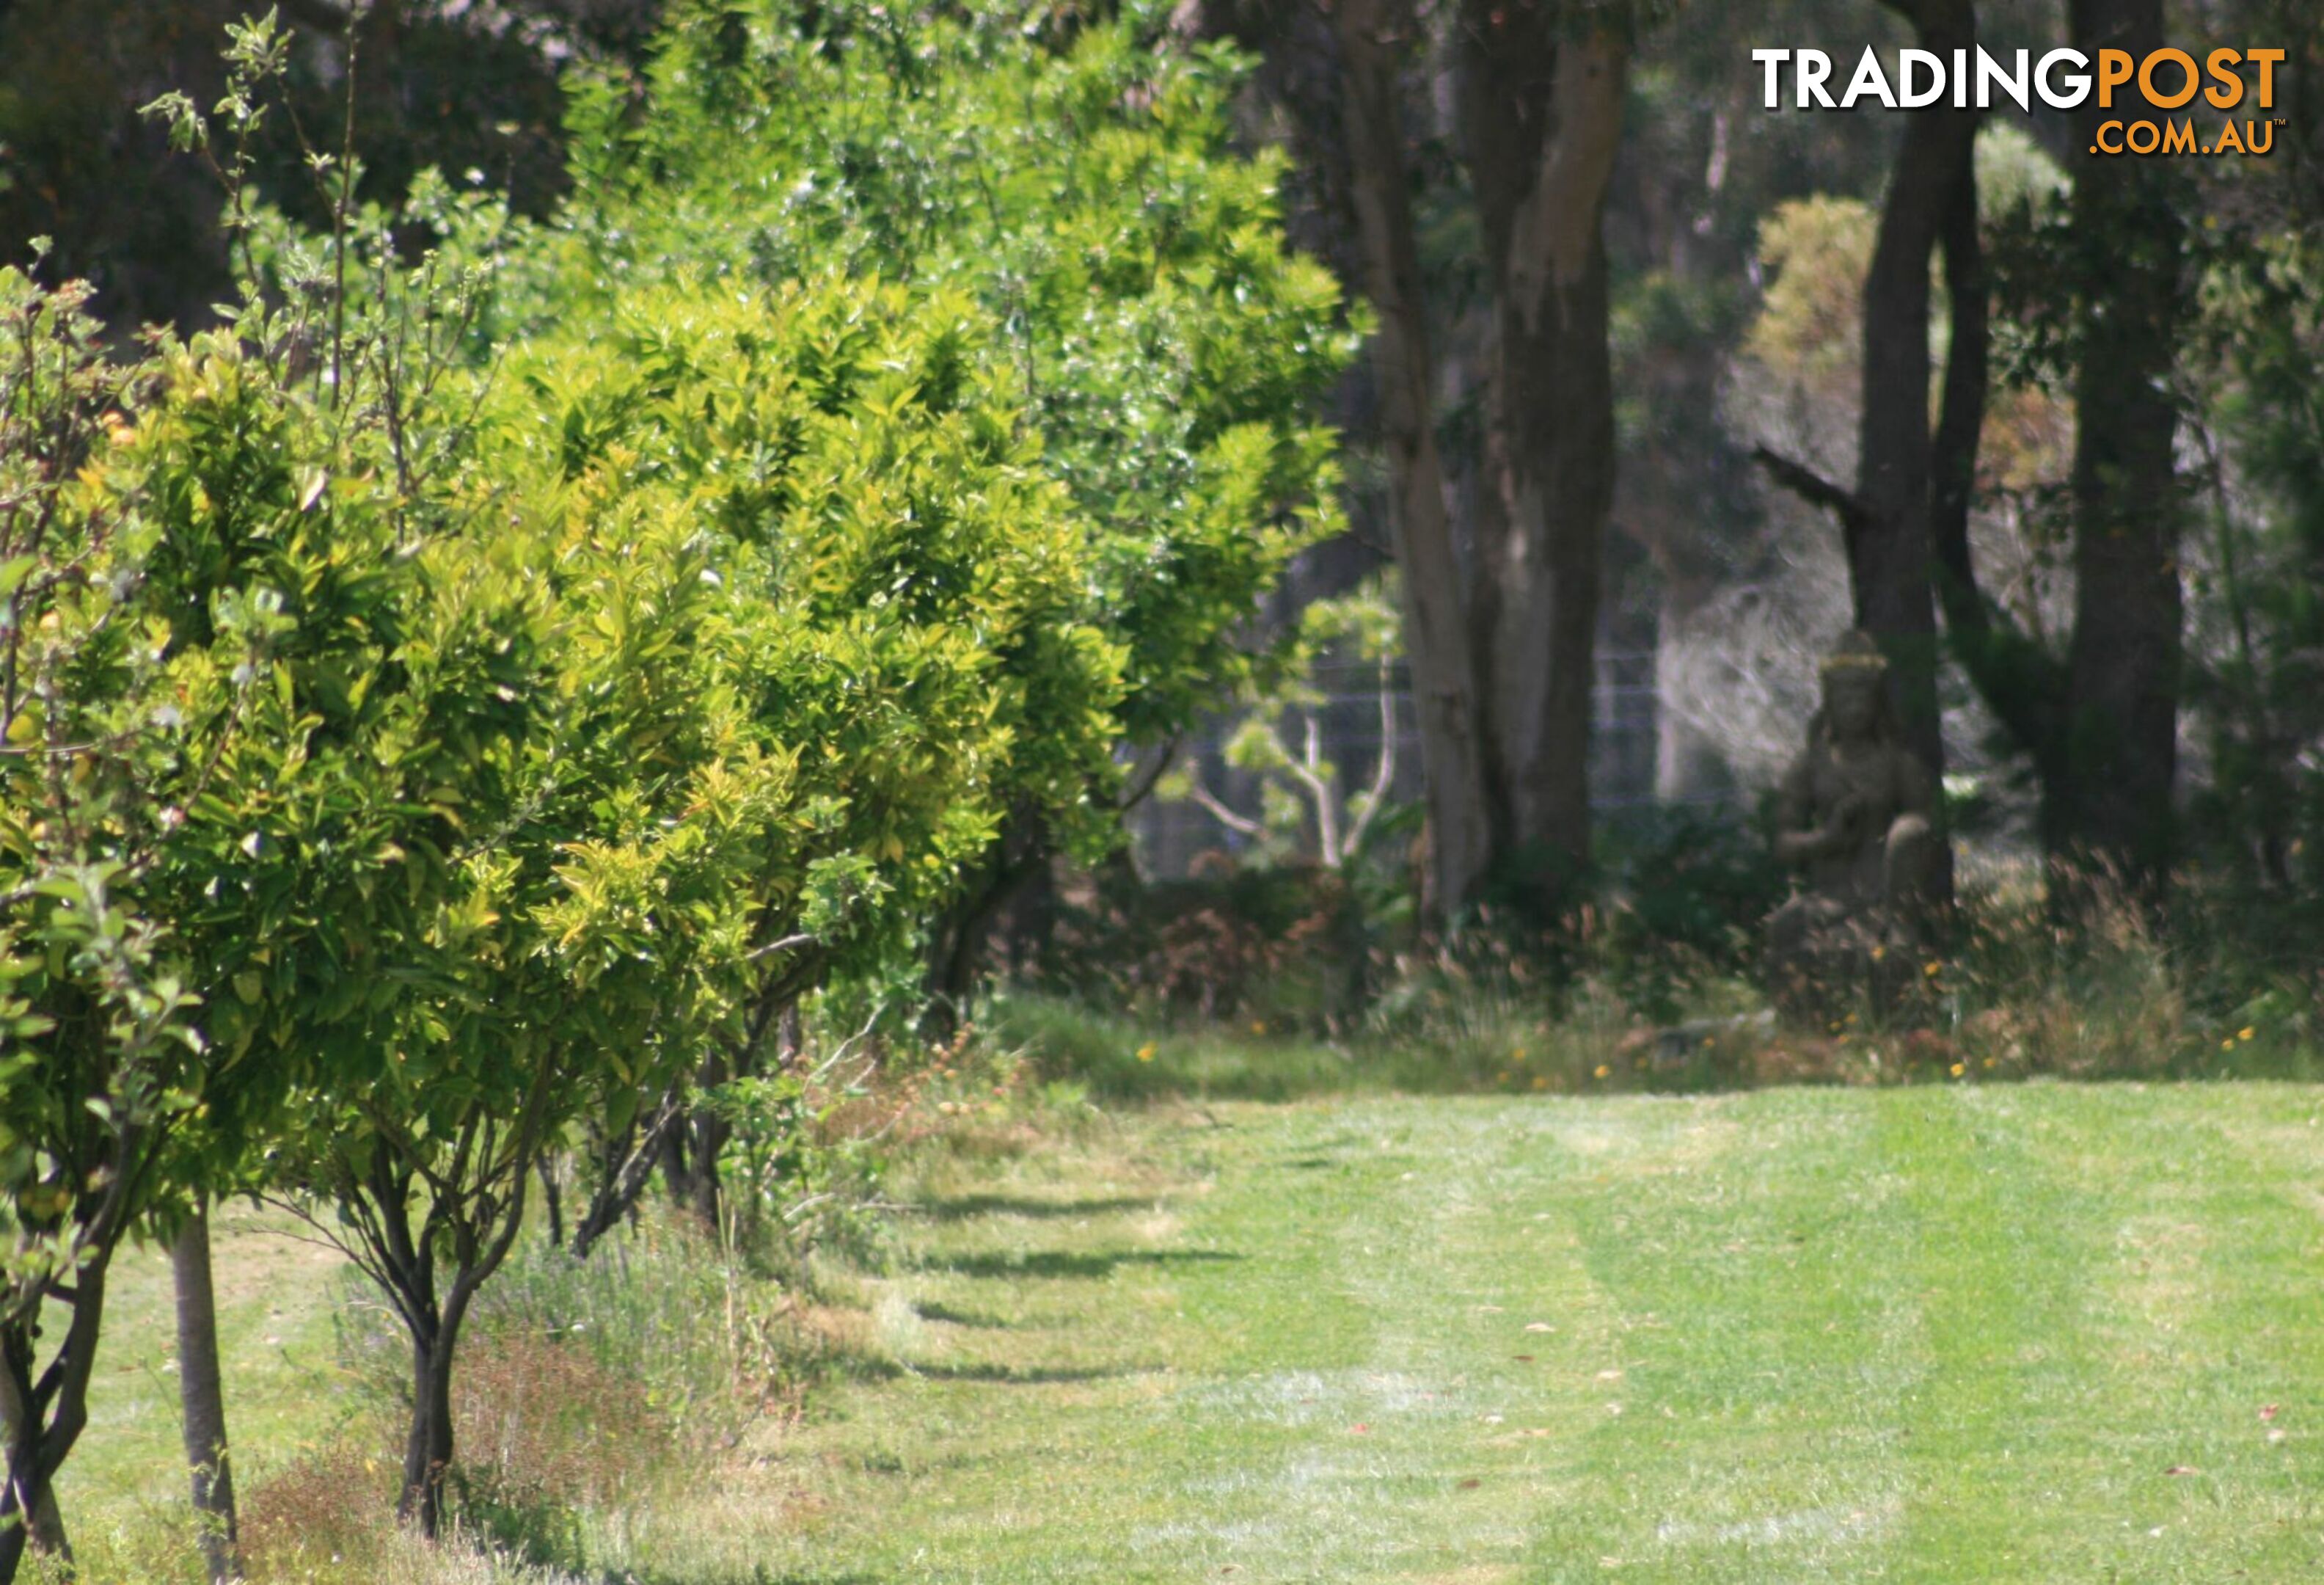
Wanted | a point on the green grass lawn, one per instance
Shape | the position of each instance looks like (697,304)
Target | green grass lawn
(2029,1332)
(276,1291)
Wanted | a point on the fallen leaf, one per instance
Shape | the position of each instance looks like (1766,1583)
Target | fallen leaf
(1609,1375)
(2267,1412)
(2277,1435)
(1472,1484)
(1613,1408)
(1527,1357)
(1539,1326)
(1359,1429)
(2182,1470)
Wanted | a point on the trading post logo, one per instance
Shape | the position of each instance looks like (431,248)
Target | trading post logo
(2064,79)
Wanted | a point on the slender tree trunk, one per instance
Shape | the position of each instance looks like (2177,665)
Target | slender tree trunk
(2124,660)
(1891,562)
(1373,35)
(428,1440)
(46,1533)
(435,1331)
(675,1168)
(201,1396)
(702,1135)
(1542,104)
(552,1198)
(2019,678)
(41,1431)
(957,950)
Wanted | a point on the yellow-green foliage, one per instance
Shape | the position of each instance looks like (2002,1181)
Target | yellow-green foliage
(891,596)
(1075,176)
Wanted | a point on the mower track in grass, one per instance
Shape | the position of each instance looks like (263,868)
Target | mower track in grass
(2027,1332)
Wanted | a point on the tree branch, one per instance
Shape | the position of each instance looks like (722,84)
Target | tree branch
(1856,517)
(1219,811)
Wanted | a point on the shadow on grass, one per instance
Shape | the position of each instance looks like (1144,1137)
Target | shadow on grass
(961,1206)
(950,1316)
(1065,1263)
(1025,1375)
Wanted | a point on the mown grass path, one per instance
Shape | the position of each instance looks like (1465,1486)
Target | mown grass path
(1936,1334)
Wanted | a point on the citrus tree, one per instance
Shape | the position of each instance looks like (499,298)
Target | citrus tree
(892,610)
(1076,178)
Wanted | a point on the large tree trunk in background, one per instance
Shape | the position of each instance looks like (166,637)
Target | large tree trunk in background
(2019,678)
(1542,109)
(2122,668)
(1891,561)
(1371,35)
(201,1396)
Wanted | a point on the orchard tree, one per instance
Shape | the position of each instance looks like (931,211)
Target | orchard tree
(892,601)
(95,1048)
(1079,181)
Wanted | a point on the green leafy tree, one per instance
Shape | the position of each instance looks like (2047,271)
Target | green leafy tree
(1078,182)
(95,1048)
(901,625)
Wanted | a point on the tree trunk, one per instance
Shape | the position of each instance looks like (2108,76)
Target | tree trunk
(46,1533)
(696,1141)
(1891,562)
(2123,666)
(427,1441)
(40,1432)
(1371,35)
(707,1135)
(201,1396)
(957,945)
(2021,680)
(552,1198)
(1542,105)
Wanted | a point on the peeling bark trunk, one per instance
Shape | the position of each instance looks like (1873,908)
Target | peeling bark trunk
(1371,35)
(1542,107)
(201,1397)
